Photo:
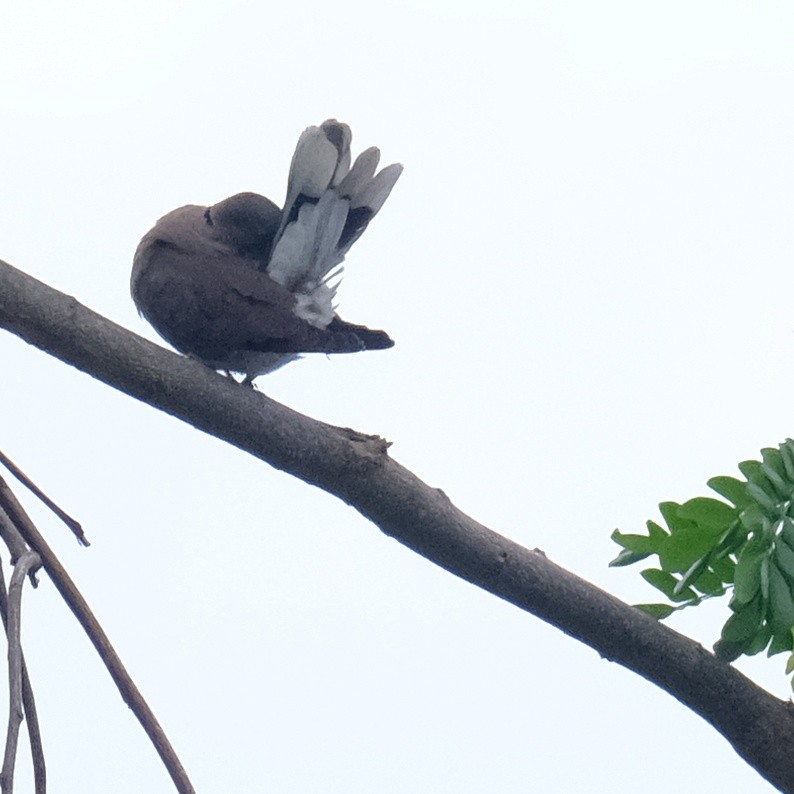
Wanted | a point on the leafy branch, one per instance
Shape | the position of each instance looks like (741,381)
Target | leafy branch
(745,545)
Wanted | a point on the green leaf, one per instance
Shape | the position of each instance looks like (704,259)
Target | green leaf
(751,469)
(781,602)
(780,643)
(747,577)
(732,543)
(775,471)
(669,511)
(759,642)
(787,531)
(744,623)
(657,533)
(729,651)
(767,501)
(702,579)
(695,570)
(764,578)
(666,582)
(626,557)
(686,546)
(784,556)
(709,583)
(705,544)
(735,491)
(708,514)
(782,488)
(772,458)
(635,548)
(639,544)
(787,455)
(752,518)
(684,549)
(725,569)
(658,611)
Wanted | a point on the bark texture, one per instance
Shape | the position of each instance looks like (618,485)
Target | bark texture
(357,469)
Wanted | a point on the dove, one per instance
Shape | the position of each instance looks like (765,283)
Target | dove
(246,287)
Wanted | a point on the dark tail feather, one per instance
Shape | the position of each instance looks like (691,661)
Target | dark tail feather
(368,338)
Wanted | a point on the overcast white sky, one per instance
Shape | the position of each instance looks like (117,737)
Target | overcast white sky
(586,267)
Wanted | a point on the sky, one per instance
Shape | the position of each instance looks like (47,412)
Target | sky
(586,267)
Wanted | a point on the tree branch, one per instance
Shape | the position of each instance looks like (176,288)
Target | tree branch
(13,510)
(358,470)
(29,561)
(70,522)
(28,699)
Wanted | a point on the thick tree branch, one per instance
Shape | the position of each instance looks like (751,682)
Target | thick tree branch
(357,469)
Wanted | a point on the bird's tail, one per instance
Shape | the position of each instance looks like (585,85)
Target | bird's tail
(338,337)
(328,207)
(369,338)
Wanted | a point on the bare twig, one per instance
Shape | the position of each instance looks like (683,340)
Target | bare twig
(69,592)
(34,733)
(28,561)
(29,702)
(73,524)
(11,537)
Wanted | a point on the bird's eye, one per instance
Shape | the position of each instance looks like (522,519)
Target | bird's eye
(207,217)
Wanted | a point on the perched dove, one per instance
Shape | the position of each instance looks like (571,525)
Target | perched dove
(244,286)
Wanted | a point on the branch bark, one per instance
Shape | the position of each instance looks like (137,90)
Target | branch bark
(28,699)
(358,470)
(13,510)
(28,562)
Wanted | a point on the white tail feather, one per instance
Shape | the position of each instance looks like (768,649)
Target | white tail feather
(317,228)
(362,171)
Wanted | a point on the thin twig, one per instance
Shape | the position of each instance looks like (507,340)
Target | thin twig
(11,537)
(29,702)
(73,524)
(28,561)
(69,592)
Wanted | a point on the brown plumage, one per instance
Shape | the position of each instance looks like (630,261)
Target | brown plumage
(242,285)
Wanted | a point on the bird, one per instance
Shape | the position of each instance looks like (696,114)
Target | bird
(246,287)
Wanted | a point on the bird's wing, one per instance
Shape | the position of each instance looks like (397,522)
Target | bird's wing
(211,305)
(205,303)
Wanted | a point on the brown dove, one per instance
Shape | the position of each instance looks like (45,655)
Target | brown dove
(246,287)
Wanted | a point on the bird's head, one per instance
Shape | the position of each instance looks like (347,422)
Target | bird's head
(247,222)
